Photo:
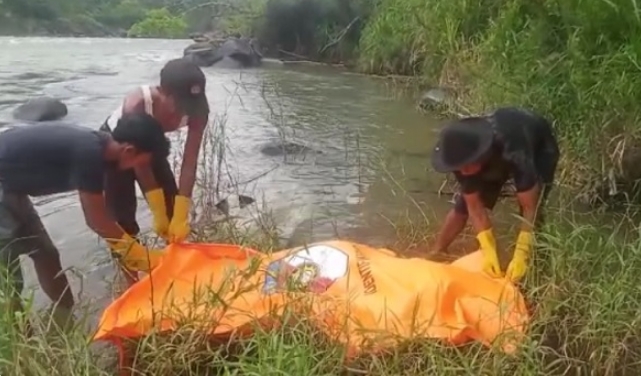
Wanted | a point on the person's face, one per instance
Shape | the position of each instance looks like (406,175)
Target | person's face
(130,158)
(471,169)
(476,167)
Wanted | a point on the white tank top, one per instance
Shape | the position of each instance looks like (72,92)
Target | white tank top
(149,109)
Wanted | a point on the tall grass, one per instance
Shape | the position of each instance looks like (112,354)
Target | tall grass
(583,288)
(575,61)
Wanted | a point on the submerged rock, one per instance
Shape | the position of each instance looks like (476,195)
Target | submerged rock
(242,202)
(435,98)
(280,148)
(41,109)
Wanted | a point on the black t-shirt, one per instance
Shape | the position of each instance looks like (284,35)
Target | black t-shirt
(525,149)
(43,159)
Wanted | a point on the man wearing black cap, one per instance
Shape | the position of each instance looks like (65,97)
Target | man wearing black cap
(178,101)
(483,153)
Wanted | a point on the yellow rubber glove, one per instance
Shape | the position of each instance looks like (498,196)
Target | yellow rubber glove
(133,255)
(518,266)
(156,201)
(491,263)
(179,225)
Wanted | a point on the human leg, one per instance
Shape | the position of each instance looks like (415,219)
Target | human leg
(546,166)
(11,277)
(33,240)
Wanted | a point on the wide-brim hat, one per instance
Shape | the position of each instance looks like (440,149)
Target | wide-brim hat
(461,143)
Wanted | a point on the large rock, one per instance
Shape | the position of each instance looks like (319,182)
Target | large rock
(233,52)
(41,109)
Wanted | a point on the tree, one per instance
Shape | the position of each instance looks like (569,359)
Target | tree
(159,23)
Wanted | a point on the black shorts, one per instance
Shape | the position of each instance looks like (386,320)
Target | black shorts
(490,194)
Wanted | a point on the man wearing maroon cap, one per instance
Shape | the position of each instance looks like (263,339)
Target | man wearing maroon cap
(178,101)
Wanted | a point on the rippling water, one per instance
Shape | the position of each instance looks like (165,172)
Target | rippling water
(372,147)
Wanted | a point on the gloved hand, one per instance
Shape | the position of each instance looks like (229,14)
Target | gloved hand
(179,225)
(491,263)
(518,266)
(133,255)
(156,201)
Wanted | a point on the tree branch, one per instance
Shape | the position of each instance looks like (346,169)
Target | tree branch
(341,35)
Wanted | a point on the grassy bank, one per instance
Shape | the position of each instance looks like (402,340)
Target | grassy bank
(583,287)
(575,61)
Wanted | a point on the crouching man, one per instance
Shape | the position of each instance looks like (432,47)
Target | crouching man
(483,153)
(45,159)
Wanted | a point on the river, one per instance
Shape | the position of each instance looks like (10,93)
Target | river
(374,148)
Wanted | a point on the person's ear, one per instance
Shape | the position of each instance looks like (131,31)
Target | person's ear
(129,150)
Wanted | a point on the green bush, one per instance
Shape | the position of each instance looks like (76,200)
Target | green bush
(316,29)
(159,23)
(122,15)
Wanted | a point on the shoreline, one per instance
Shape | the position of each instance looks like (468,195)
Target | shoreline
(451,105)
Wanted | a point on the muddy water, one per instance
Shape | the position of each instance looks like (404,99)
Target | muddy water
(367,157)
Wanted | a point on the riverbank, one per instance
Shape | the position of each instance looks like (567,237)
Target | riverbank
(540,56)
(570,61)
(582,288)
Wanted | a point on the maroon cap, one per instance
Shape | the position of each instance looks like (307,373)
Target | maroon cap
(185,81)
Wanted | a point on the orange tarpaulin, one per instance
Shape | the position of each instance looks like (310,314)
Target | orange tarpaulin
(359,293)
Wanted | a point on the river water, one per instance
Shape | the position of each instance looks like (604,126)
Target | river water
(372,148)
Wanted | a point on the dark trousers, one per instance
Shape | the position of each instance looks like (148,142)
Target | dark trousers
(22,233)
(120,192)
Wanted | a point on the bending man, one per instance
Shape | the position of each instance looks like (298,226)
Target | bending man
(37,160)
(483,153)
(179,101)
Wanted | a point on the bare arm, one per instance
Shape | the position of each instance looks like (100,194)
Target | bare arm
(146,178)
(96,217)
(190,156)
(478,214)
(529,201)
(134,102)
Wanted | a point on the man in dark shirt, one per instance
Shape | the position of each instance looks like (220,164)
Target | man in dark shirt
(46,159)
(483,153)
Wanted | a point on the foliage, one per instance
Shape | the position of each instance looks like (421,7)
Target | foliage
(159,23)
(56,16)
(310,27)
(575,61)
(244,18)
(123,15)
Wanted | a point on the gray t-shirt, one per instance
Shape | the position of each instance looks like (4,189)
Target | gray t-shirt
(56,157)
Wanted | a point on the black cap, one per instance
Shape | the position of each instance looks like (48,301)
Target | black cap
(462,142)
(185,81)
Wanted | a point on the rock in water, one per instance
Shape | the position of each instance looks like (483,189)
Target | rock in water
(41,109)
(280,148)
(242,52)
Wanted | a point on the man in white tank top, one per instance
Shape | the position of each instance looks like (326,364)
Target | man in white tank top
(178,101)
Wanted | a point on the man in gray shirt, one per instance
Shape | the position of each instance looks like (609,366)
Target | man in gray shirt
(44,159)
